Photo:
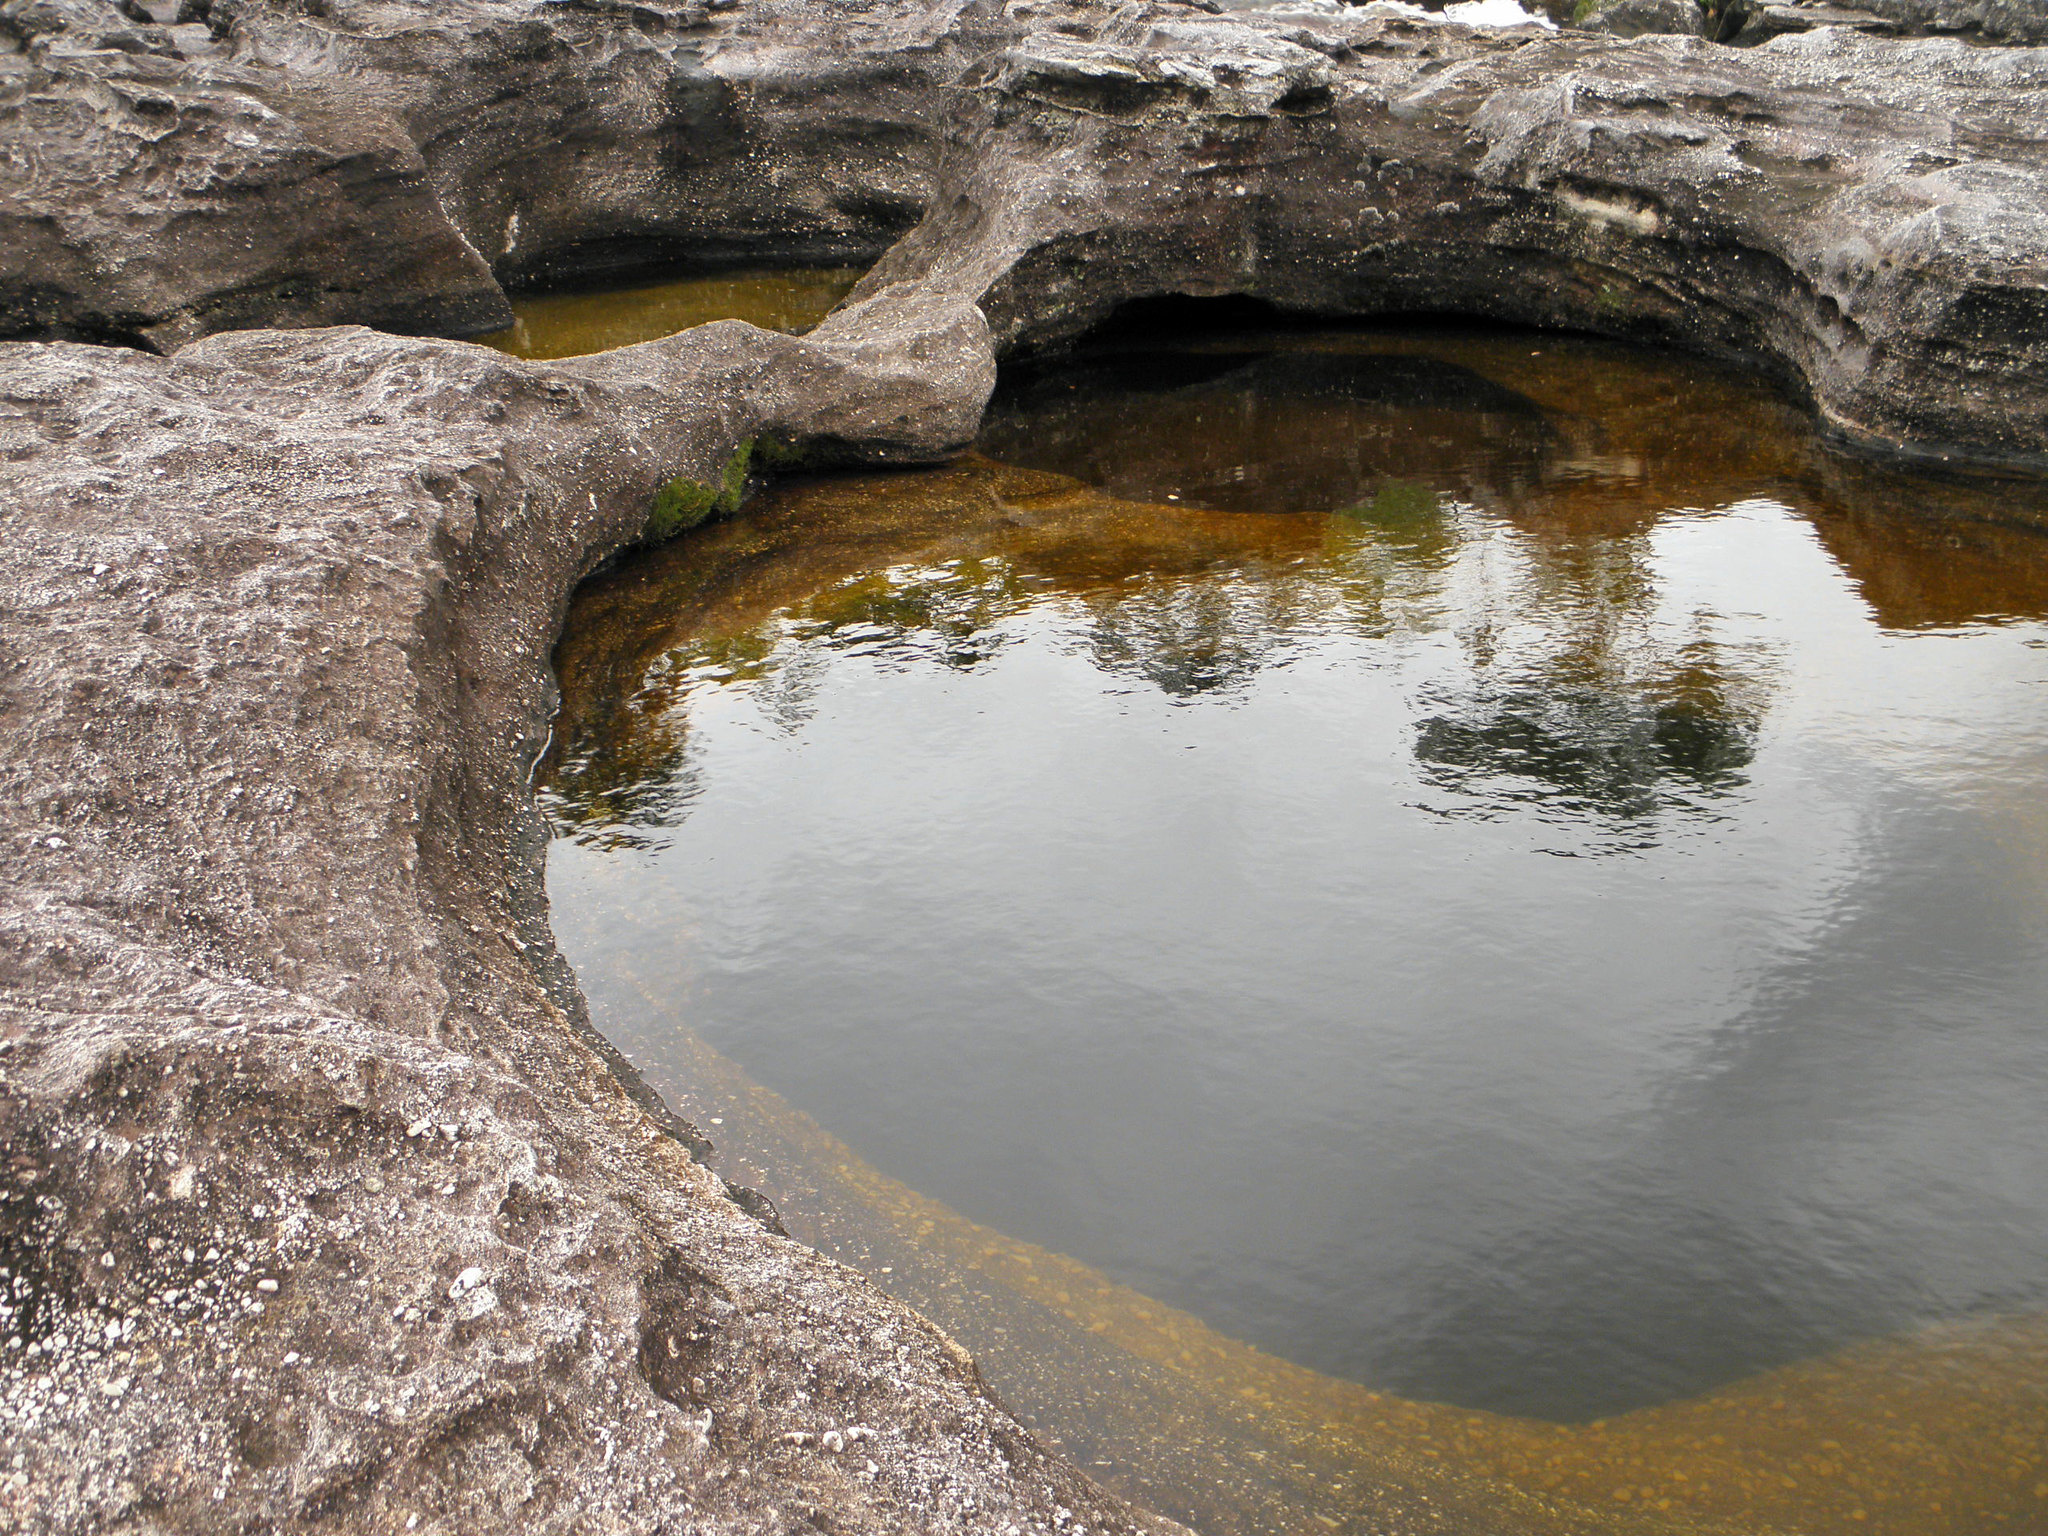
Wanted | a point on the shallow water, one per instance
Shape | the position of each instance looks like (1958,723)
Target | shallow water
(574,324)
(1485,866)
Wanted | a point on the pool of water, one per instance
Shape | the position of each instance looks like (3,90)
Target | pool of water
(1486,866)
(597,320)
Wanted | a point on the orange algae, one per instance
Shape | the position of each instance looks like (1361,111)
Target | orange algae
(1938,1433)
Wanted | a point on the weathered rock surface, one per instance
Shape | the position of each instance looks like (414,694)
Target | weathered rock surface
(160,188)
(319,1209)
(2021,22)
(1745,23)
(389,162)
(322,1207)
(1866,216)
(1649,18)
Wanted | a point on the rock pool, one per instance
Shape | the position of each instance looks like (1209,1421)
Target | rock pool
(1481,865)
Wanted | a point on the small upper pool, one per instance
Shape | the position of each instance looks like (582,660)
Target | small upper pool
(576,323)
(1484,864)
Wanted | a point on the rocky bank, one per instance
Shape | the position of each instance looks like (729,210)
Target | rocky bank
(321,1206)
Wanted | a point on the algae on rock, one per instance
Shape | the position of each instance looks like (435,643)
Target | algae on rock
(683,503)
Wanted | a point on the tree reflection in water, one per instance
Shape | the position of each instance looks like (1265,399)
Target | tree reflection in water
(1300,1031)
(1378,494)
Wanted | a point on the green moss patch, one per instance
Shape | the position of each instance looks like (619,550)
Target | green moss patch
(684,503)
(778,457)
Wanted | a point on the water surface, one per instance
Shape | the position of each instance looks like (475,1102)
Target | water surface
(1485,866)
(576,323)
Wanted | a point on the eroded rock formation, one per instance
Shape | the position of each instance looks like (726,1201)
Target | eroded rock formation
(1990,21)
(389,162)
(1866,216)
(322,1206)
(1825,207)
(1746,23)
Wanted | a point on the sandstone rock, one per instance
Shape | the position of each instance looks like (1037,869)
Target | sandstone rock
(1755,23)
(390,163)
(2014,22)
(318,1206)
(1866,218)
(1646,18)
(1745,23)
(165,189)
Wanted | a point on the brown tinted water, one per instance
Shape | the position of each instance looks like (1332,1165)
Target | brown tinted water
(1448,928)
(574,324)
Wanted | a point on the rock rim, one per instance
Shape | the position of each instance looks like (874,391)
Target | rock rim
(322,1206)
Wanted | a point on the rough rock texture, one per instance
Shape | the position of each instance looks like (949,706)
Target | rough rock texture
(1991,21)
(379,161)
(322,1207)
(1647,18)
(1758,21)
(159,189)
(1866,216)
(1745,23)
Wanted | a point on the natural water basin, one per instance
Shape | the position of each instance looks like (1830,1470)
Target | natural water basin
(573,324)
(1486,866)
